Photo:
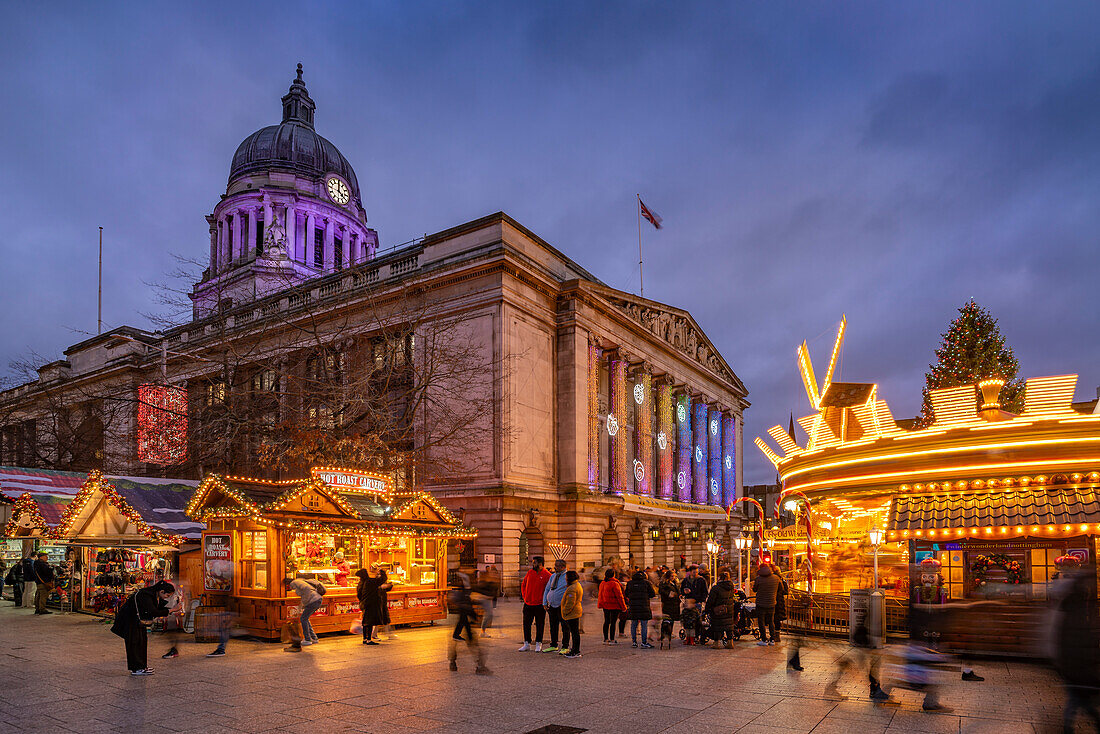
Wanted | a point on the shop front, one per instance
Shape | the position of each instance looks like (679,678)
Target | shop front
(325,527)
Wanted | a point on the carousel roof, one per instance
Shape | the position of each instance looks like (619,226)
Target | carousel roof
(1021,507)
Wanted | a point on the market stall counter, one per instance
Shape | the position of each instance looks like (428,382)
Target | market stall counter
(325,527)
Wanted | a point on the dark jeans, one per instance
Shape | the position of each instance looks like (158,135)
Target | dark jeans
(137,648)
(17,593)
(307,628)
(554,613)
(573,627)
(634,625)
(533,613)
(609,618)
(766,619)
(464,623)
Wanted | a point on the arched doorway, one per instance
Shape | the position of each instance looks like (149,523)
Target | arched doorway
(637,549)
(609,546)
(530,545)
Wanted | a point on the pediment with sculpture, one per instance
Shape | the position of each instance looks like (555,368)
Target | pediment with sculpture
(679,331)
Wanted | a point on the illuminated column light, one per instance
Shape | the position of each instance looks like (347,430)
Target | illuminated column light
(621,481)
(643,433)
(700,430)
(666,481)
(593,417)
(714,457)
(685,448)
(729,459)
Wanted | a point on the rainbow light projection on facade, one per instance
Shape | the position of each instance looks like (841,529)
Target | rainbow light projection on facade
(714,457)
(666,480)
(685,448)
(621,479)
(729,459)
(643,433)
(699,460)
(593,417)
(162,424)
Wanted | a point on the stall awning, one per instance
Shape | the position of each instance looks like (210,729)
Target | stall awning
(1024,507)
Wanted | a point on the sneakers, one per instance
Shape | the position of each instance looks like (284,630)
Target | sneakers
(173,653)
(771,642)
(538,647)
(146,671)
(216,654)
(526,647)
(454,665)
(306,642)
(971,675)
(292,648)
(614,642)
(484,633)
(762,643)
(646,646)
(879,695)
(573,655)
(563,651)
(369,642)
(552,648)
(794,666)
(633,644)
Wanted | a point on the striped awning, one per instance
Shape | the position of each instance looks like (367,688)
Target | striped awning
(1032,506)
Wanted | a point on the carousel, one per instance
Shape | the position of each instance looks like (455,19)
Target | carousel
(982,505)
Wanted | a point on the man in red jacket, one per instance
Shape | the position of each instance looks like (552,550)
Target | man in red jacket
(531,589)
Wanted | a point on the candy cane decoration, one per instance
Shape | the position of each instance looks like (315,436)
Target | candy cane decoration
(760,507)
(809,531)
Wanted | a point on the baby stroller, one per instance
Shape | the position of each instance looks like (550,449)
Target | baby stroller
(701,630)
(743,617)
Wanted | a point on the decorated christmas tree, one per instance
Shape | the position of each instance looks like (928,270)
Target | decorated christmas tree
(971,350)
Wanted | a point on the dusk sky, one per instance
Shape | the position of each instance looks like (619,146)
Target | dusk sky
(882,161)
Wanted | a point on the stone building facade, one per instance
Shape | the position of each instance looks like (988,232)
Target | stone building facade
(617,425)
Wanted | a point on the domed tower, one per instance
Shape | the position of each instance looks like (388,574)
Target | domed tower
(291,211)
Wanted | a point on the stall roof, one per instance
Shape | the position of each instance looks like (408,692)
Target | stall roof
(1015,507)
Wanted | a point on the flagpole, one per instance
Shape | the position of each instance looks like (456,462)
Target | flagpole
(641,282)
(100,300)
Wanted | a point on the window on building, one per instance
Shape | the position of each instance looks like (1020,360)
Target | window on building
(216,392)
(254,559)
(319,248)
(265,381)
(259,235)
(320,417)
(338,253)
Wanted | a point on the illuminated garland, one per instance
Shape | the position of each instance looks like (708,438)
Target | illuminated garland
(97,483)
(593,417)
(25,503)
(1002,483)
(162,424)
(980,567)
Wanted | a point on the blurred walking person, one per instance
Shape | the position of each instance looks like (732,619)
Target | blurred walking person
(486,592)
(462,606)
(1076,648)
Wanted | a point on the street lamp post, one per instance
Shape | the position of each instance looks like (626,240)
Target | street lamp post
(875,536)
(712,550)
(741,542)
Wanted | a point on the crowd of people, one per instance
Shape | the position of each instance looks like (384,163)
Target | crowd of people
(32,579)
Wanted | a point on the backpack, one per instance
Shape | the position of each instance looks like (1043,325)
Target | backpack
(317,586)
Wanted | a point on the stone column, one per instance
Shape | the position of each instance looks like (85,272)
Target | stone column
(664,477)
(250,242)
(345,248)
(714,456)
(329,231)
(238,226)
(729,456)
(684,448)
(592,401)
(699,452)
(308,239)
(290,223)
(616,424)
(354,258)
(269,209)
(642,395)
(216,226)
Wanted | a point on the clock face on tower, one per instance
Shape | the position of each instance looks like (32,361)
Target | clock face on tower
(338,191)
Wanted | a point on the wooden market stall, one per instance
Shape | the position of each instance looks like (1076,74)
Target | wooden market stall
(124,533)
(261,531)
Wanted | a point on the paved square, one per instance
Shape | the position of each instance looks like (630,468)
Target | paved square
(66,673)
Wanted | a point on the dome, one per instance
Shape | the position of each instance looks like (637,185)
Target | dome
(293,145)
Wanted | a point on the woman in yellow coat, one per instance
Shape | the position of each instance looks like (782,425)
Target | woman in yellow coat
(571,613)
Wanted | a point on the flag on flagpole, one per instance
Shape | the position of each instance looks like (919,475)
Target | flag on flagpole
(653,218)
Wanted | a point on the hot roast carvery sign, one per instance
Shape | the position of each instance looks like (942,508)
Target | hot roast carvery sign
(348,479)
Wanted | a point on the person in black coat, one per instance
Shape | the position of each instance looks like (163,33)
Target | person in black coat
(1076,639)
(694,586)
(15,578)
(638,593)
(721,606)
(134,616)
(370,601)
